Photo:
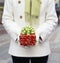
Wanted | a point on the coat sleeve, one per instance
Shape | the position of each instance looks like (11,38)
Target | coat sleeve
(50,23)
(8,20)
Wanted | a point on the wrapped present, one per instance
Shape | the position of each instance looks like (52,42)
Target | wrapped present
(27,36)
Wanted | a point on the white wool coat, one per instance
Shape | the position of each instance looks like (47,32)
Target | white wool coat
(13,20)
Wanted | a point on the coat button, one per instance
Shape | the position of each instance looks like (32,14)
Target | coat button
(40,2)
(19,1)
(21,17)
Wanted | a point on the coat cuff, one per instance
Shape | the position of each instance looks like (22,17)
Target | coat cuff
(43,36)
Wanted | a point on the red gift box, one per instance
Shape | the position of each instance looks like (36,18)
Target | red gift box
(27,40)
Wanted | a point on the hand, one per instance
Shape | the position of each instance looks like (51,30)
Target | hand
(17,39)
(40,39)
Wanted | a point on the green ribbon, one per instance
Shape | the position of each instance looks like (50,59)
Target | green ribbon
(27,30)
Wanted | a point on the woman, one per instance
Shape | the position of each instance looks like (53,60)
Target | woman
(41,15)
